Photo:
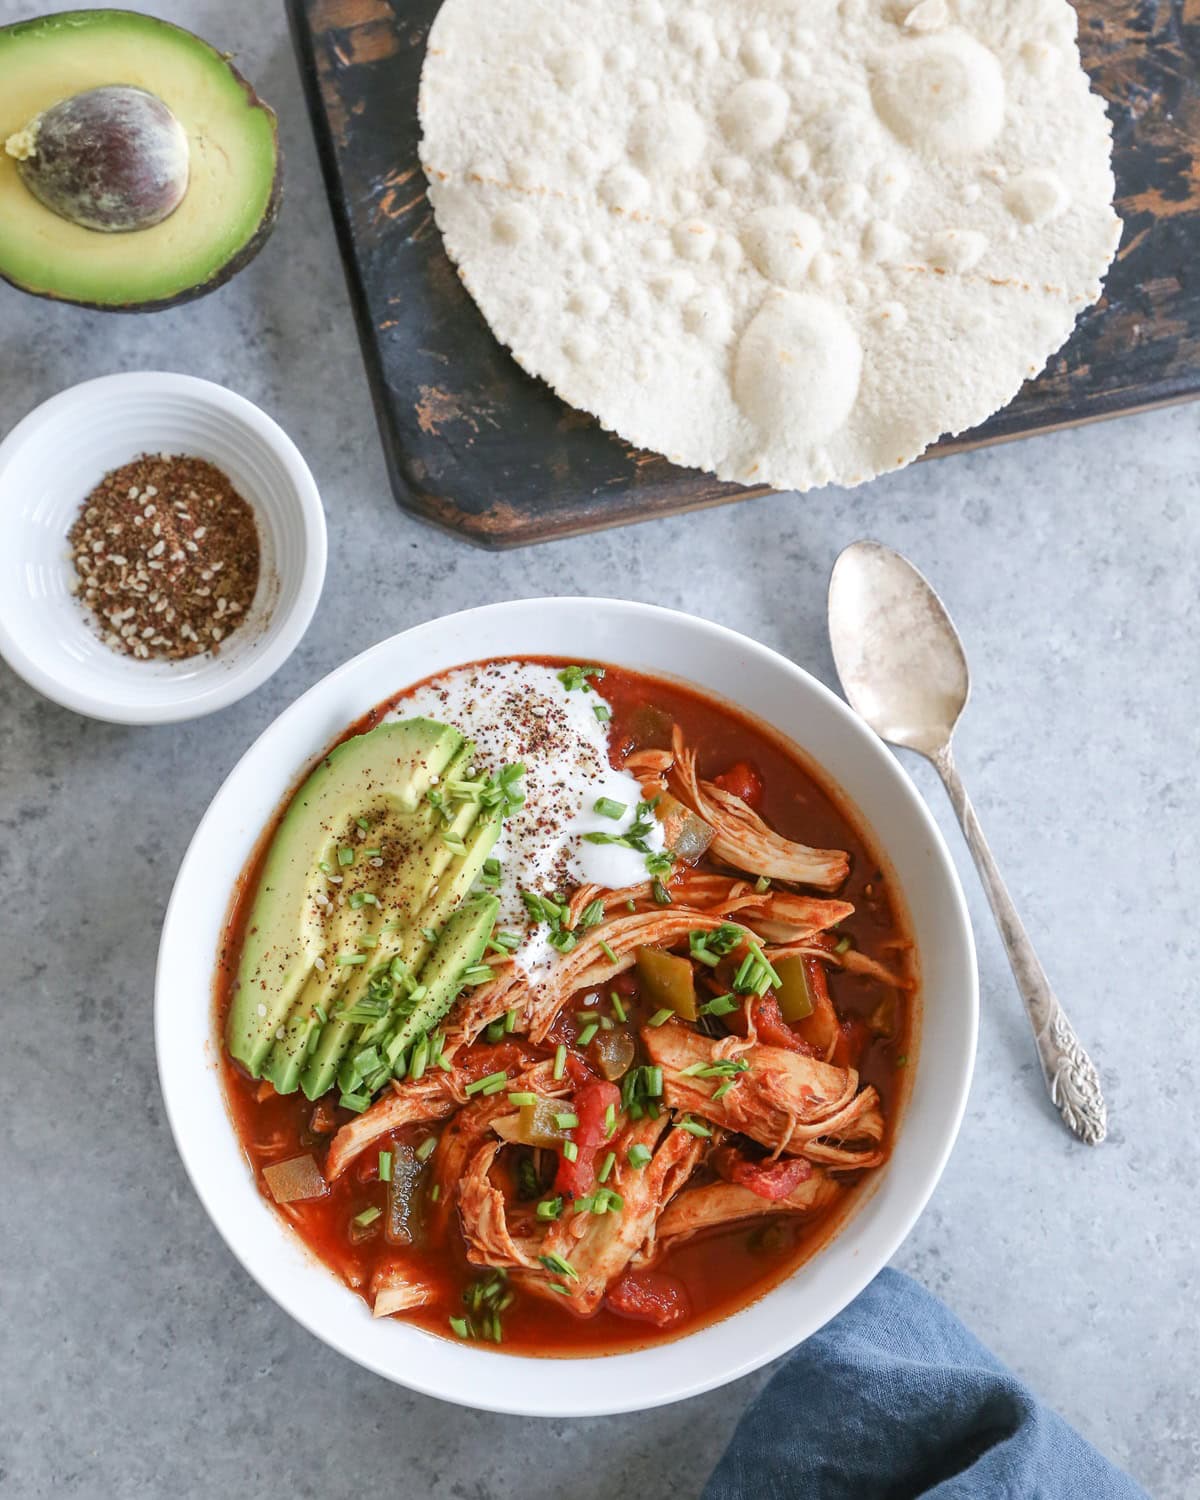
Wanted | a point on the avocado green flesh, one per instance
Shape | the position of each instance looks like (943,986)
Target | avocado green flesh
(397,925)
(388,773)
(233,180)
(413,948)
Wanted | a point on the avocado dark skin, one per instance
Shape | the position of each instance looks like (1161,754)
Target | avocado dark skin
(238,261)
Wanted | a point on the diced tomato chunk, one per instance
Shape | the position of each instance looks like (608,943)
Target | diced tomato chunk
(650,1297)
(851,1044)
(769,1179)
(592,1098)
(771,1028)
(741,780)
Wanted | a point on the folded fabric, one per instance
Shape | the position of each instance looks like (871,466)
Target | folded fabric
(894,1399)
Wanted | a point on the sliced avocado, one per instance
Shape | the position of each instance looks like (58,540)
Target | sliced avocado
(462,943)
(138,168)
(413,949)
(383,776)
(383,929)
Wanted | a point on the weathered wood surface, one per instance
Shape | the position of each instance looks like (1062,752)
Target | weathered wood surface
(474,444)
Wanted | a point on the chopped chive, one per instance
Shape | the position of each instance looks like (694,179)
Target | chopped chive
(476,974)
(610,1120)
(325,867)
(549,1208)
(843,945)
(588,1032)
(321,1013)
(607,807)
(461,1327)
(484,1083)
(576,677)
(356,1102)
(454,842)
(602,712)
(607,951)
(606,1167)
(660,1017)
(522,1099)
(435,1192)
(592,913)
(560,1059)
(618,1008)
(762,885)
(348,960)
(639,1155)
(631,904)
(495,1029)
(427,1147)
(721,1005)
(694,1127)
(385,1166)
(372,853)
(345,855)
(419,1060)
(660,892)
(557,1286)
(570,1150)
(723,1088)
(567,1120)
(363,898)
(654,1083)
(429,934)
(368,1216)
(510,1019)
(555,1262)
(495,1088)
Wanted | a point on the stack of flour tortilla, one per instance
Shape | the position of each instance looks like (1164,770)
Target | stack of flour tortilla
(788,241)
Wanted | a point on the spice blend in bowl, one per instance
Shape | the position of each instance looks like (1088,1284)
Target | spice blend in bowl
(167,557)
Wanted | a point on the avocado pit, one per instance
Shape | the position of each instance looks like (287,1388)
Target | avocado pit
(113,159)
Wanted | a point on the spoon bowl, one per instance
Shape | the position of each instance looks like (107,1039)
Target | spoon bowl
(899,657)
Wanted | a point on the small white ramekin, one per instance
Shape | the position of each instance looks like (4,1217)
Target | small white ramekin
(52,460)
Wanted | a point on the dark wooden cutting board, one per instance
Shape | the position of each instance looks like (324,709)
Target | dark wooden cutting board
(475,445)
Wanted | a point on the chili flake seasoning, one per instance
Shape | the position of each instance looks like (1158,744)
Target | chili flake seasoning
(166,557)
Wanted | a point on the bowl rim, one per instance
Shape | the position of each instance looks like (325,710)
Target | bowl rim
(239,679)
(506,1397)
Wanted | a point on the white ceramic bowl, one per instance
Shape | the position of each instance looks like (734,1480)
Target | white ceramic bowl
(657,641)
(53,458)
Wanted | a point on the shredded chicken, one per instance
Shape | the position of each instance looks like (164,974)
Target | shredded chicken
(395,1287)
(484,1218)
(598,1247)
(743,839)
(471,1127)
(432,1098)
(787,1102)
(719,1203)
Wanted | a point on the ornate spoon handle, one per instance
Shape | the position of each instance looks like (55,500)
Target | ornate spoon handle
(1069,1072)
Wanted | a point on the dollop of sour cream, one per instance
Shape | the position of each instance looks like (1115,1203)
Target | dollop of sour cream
(521,712)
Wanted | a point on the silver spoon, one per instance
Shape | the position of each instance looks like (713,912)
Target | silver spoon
(903,668)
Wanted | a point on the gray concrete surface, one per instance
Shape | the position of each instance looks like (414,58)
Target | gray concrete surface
(139,1360)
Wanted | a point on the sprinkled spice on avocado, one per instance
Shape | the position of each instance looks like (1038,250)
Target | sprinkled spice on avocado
(166,557)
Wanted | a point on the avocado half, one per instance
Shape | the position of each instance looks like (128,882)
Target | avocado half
(234,165)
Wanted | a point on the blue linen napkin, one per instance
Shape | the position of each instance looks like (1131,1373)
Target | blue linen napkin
(896,1399)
